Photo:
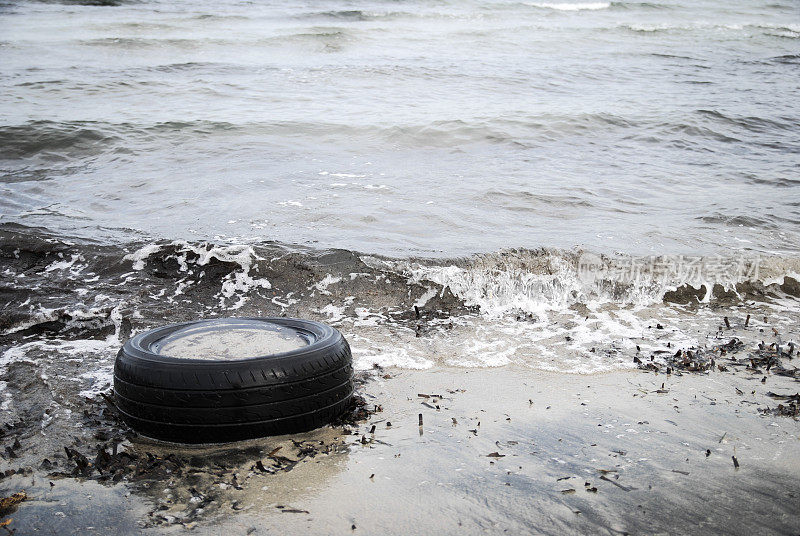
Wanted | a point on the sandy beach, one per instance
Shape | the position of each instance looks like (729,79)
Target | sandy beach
(499,450)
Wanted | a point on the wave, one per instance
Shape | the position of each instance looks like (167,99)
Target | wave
(571,311)
(752,123)
(640,5)
(788,59)
(738,221)
(581,6)
(355,15)
(775,30)
(81,139)
(508,281)
(75,138)
(91,3)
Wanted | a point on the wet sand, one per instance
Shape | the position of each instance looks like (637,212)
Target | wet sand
(506,449)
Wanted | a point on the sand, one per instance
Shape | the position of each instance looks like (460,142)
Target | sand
(505,450)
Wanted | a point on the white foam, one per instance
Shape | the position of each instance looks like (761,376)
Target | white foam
(68,265)
(426,297)
(139,257)
(96,357)
(334,313)
(389,357)
(347,175)
(322,286)
(71,317)
(237,283)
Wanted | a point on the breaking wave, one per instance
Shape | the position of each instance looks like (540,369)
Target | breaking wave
(571,311)
(505,282)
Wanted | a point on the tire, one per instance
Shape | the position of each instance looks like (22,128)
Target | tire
(214,401)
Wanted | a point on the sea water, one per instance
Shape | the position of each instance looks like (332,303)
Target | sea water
(449,183)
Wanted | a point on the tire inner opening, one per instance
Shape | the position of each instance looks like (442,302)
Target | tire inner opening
(230,339)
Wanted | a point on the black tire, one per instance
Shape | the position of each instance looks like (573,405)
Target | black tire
(208,401)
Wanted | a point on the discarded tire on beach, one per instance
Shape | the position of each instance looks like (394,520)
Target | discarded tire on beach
(197,382)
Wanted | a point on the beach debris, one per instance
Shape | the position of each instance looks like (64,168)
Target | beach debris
(9,504)
(259,465)
(420,419)
(747,321)
(680,472)
(620,486)
(795,397)
(568,491)
(110,457)
(705,359)
(727,323)
(792,409)
(735,462)
(495,455)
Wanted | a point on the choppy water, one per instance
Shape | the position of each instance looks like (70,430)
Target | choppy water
(162,161)
(421,127)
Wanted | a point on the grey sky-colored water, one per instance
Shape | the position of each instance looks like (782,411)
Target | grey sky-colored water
(422,127)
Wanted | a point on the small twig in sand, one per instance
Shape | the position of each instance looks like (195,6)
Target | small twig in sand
(620,486)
